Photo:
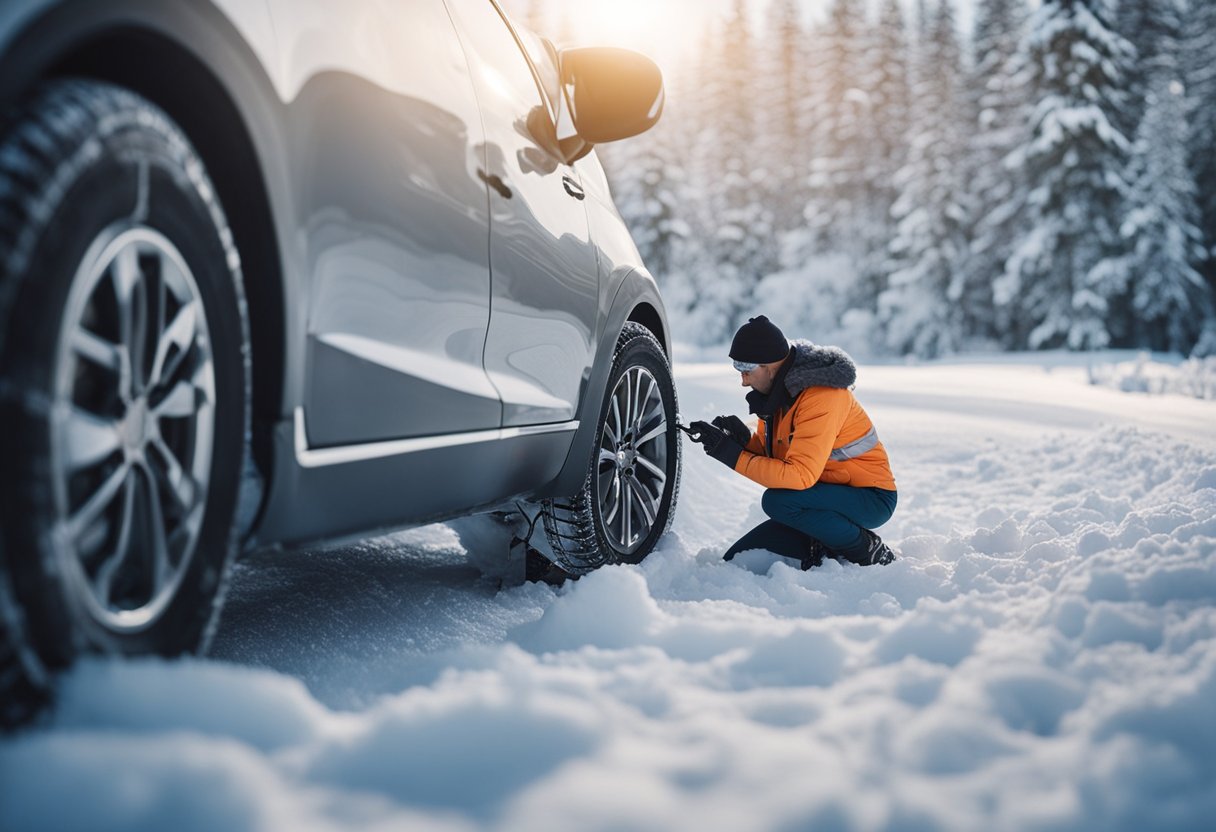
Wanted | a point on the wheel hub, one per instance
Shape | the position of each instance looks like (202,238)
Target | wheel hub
(137,427)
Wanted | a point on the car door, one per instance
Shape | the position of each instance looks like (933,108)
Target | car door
(385,137)
(544,296)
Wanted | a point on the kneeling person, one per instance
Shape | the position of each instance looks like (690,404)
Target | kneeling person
(828,477)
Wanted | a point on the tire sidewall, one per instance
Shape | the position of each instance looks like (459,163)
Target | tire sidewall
(141,171)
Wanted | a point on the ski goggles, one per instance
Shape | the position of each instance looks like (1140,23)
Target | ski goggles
(745,366)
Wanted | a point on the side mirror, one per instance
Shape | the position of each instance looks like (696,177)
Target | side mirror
(613,93)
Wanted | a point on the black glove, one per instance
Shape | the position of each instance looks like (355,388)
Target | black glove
(735,428)
(716,442)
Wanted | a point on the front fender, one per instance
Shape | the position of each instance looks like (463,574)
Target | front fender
(636,299)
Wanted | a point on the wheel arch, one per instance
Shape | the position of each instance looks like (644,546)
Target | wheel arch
(646,315)
(636,299)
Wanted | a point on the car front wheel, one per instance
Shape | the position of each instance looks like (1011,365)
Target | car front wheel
(628,498)
(123,362)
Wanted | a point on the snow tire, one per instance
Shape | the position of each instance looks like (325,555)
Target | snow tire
(575,526)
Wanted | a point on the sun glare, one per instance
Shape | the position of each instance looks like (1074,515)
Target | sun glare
(660,28)
(625,20)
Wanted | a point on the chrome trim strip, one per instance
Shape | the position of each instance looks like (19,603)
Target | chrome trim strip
(342,454)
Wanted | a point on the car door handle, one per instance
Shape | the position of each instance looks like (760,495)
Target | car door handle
(495,182)
(573,188)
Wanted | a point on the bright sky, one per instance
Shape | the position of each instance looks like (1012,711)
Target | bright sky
(663,29)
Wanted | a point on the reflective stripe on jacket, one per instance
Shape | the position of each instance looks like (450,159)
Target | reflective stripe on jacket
(820,420)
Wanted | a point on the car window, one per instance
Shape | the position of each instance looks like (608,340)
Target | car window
(544,57)
(499,57)
(544,60)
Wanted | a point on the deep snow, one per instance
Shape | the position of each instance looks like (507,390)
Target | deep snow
(1042,656)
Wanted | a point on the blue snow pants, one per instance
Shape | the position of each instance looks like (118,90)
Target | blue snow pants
(832,514)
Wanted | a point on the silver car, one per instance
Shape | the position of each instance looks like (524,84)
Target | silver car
(275,272)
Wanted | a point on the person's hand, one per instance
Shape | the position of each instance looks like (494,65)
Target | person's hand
(716,442)
(735,428)
(706,435)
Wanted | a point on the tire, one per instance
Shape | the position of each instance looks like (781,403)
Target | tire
(609,520)
(123,381)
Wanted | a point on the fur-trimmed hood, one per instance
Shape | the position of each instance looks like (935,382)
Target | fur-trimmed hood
(818,366)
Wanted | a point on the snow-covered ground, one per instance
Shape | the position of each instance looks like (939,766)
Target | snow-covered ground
(1042,656)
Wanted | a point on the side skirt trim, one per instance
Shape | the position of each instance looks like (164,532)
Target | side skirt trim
(308,457)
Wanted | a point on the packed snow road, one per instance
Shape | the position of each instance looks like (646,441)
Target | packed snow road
(1042,656)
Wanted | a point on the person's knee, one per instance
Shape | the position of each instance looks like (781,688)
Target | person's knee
(775,503)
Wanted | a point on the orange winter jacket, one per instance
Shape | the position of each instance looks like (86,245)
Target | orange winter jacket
(823,416)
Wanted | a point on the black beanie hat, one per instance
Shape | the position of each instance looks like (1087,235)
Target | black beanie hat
(759,341)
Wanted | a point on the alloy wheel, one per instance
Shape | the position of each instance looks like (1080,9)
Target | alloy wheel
(632,461)
(132,427)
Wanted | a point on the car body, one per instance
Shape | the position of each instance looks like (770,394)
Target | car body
(328,151)
(434,276)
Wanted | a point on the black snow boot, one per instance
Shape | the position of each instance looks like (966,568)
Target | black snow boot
(871,551)
(815,553)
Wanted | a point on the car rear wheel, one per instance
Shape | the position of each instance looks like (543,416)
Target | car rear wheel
(123,362)
(628,498)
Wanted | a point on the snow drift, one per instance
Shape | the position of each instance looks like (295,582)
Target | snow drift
(1042,656)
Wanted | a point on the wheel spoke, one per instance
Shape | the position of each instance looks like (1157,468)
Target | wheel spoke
(183,401)
(130,289)
(125,273)
(659,474)
(626,513)
(162,298)
(646,502)
(614,500)
(656,411)
(654,433)
(158,538)
(642,399)
(181,484)
(604,482)
(628,408)
(638,401)
(607,456)
(179,333)
(89,439)
(98,350)
(103,584)
(98,502)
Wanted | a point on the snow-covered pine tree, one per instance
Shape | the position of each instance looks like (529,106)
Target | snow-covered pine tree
(1067,267)
(997,196)
(1170,299)
(838,125)
(650,198)
(686,145)
(1140,23)
(917,315)
(741,243)
(782,149)
(886,81)
(1200,79)
(816,220)
(884,68)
